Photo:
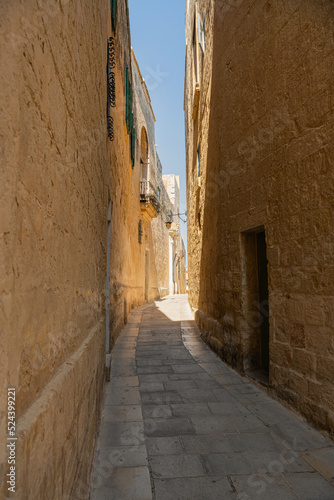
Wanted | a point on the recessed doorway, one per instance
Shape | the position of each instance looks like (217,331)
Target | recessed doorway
(256,336)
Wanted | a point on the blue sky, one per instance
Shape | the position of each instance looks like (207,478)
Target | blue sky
(158,40)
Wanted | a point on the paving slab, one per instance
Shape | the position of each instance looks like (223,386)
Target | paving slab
(253,441)
(165,445)
(151,387)
(121,434)
(213,424)
(122,413)
(125,483)
(160,398)
(300,435)
(276,462)
(149,370)
(122,395)
(124,382)
(322,461)
(178,423)
(130,456)
(226,464)
(197,395)
(173,426)
(175,385)
(205,444)
(157,411)
(249,487)
(188,409)
(310,486)
(169,466)
(194,489)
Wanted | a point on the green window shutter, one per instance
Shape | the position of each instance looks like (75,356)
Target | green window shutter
(113,9)
(128,103)
(133,145)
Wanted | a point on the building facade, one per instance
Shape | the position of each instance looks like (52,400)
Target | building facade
(154,202)
(259,123)
(177,251)
(76,232)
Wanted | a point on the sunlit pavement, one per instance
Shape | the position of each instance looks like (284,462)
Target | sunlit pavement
(178,423)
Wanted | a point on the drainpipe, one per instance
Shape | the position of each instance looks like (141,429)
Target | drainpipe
(108,355)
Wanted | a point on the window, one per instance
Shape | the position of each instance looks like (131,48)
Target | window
(195,52)
(130,125)
(140,232)
(201,32)
(113,9)
(199,160)
(159,194)
(128,102)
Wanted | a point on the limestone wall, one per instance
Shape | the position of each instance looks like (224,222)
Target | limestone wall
(268,165)
(196,128)
(155,236)
(58,172)
(53,235)
(160,236)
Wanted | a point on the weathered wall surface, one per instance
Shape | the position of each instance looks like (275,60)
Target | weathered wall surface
(155,237)
(177,275)
(269,165)
(198,72)
(59,173)
(127,274)
(53,172)
(57,168)
(160,236)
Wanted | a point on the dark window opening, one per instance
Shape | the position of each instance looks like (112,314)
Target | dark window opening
(140,232)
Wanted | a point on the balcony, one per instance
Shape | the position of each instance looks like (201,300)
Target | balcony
(149,201)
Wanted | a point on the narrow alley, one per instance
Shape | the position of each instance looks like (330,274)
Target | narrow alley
(178,423)
(166,250)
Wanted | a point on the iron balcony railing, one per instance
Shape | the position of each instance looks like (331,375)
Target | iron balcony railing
(148,194)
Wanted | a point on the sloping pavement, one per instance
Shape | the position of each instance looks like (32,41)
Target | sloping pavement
(178,423)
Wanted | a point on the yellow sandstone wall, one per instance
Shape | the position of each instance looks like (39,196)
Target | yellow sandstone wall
(155,233)
(267,162)
(196,127)
(53,224)
(58,171)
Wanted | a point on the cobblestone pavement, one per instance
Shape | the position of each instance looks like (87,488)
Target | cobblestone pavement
(178,423)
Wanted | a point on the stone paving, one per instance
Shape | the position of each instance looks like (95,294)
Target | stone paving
(178,423)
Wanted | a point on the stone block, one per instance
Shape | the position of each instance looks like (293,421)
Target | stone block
(298,383)
(325,369)
(297,335)
(303,362)
(281,354)
(315,413)
(319,340)
(321,392)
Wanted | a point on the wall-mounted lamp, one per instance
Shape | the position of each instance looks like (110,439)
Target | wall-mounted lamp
(169,223)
